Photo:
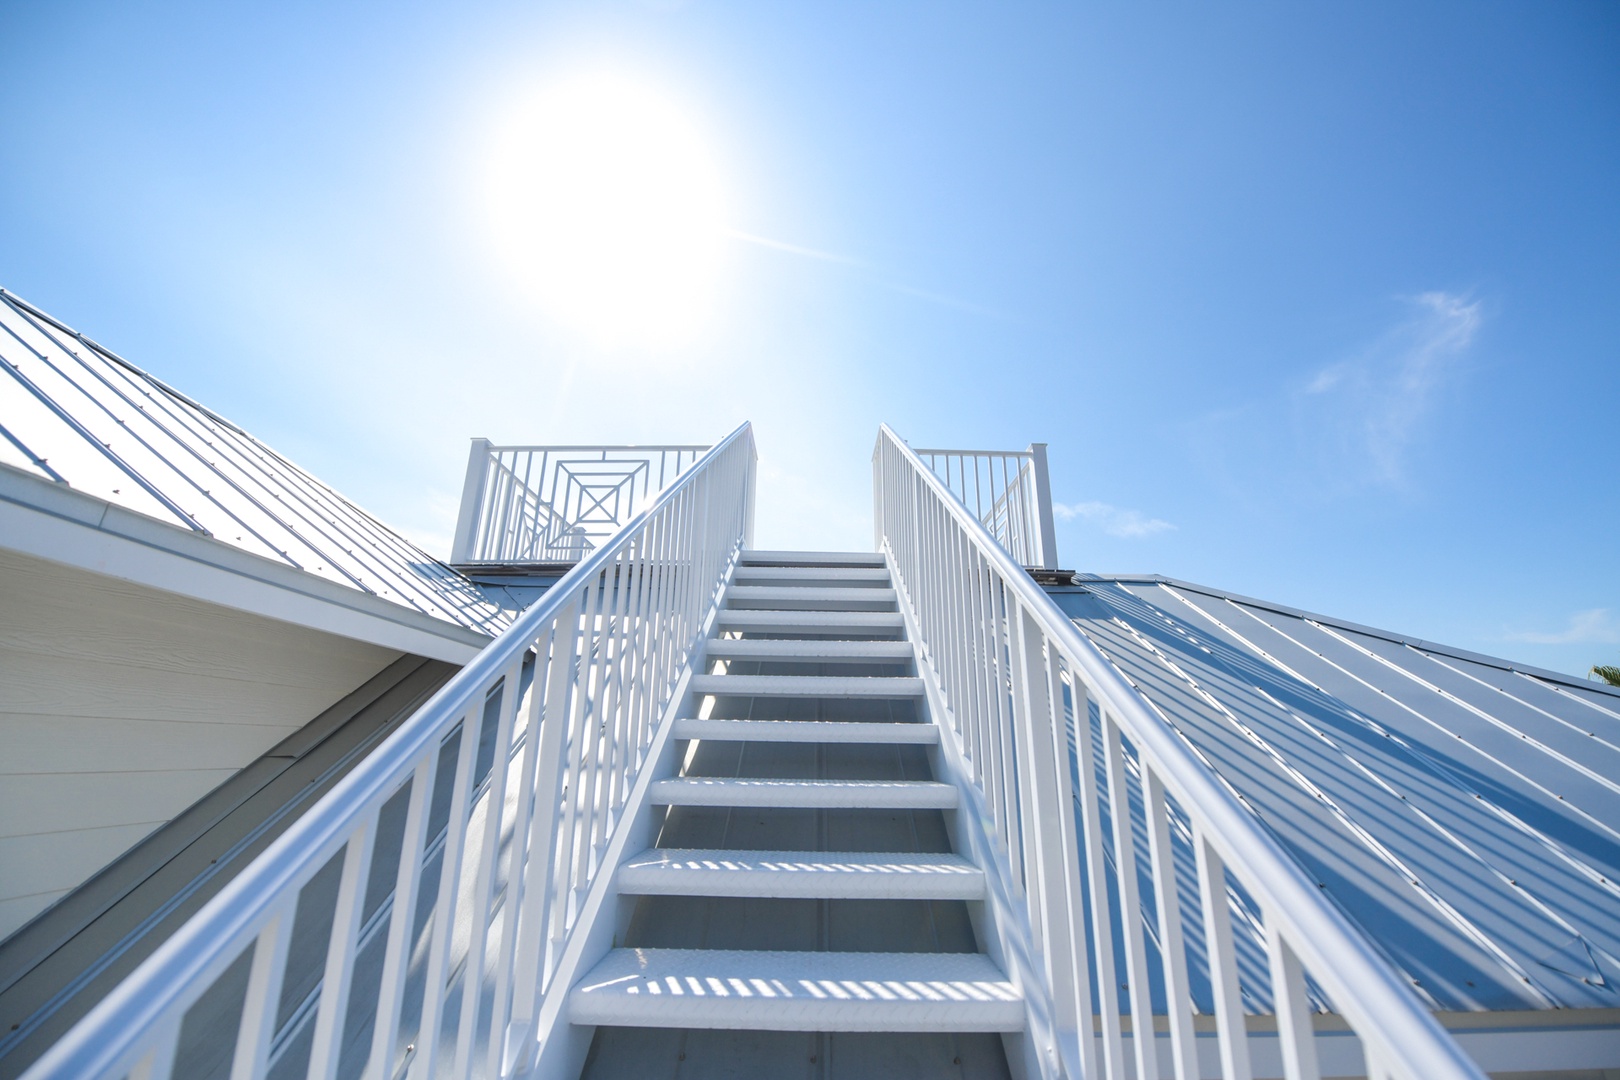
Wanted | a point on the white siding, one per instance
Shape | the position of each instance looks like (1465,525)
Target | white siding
(121,705)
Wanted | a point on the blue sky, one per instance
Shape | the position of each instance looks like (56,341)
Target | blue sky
(1317,303)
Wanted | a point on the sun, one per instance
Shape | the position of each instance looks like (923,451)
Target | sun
(606,208)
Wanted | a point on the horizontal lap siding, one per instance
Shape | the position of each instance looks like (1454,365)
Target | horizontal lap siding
(122,705)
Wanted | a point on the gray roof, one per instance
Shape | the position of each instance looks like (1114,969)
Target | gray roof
(75,413)
(1463,810)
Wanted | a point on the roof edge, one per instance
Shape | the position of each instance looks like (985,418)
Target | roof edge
(1484,659)
(54,522)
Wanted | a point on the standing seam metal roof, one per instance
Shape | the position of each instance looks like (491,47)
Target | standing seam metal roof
(76,413)
(1463,810)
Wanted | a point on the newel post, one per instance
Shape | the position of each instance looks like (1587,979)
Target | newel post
(1043,505)
(472,502)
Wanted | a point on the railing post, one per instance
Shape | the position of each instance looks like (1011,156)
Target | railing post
(1043,505)
(472,499)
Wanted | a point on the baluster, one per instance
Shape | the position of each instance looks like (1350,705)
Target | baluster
(1143,1038)
(444,909)
(257,1028)
(1056,892)
(1026,690)
(530,965)
(340,949)
(996,766)
(1177,992)
(401,917)
(1295,1034)
(1102,923)
(1223,972)
(157,1063)
(500,1020)
(472,981)
(571,859)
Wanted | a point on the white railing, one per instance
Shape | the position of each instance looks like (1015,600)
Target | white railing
(556,503)
(1016,681)
(1009,492)
(445,877)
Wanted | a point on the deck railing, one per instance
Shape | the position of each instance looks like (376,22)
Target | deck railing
(556,503)
(416,922)
(1008,492)
(1016,682)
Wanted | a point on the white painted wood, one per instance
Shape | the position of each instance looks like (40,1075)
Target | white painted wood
(810,651)
(865,794)
(48,521)
(1295,1035)
(811,574)
(1223,969)
(807,731)
(810,622)
(789,596)
(824,875)
(819,686)
(1172,947)
(121,705)
(798,991)
(754,557)
(41,743)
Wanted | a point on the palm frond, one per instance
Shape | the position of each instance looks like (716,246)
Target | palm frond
(1608,673)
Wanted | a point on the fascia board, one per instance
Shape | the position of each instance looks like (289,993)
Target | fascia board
(50,521)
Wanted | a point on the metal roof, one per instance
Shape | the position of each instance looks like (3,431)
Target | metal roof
(1463,810)
(75,413)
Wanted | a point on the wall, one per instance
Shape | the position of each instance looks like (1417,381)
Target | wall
(121,705)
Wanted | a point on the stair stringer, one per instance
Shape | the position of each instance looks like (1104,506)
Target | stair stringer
(562,1046)
(1001,921)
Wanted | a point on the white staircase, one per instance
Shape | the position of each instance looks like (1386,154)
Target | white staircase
(824,898)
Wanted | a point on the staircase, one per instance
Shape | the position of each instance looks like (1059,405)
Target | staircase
(802,912)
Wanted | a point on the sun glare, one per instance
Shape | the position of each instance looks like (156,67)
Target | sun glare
(607,209)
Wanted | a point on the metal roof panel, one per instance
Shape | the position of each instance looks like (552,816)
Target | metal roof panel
(1420,784)
(80,415)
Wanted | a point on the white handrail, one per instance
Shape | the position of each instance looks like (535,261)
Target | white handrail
(1012,669)
(444,876)
(1008,492)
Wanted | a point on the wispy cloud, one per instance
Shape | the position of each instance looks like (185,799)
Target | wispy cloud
(1595,627)
(871,272)
(793,249)
(1113,520)
(1373,406)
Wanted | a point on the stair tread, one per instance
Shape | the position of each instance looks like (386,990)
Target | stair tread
(797,991)
(817,621)
(810,592)
(756,557)
(807,731)
(802,874)
(809,651)
(843,794)
(812,573)
(832,686)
